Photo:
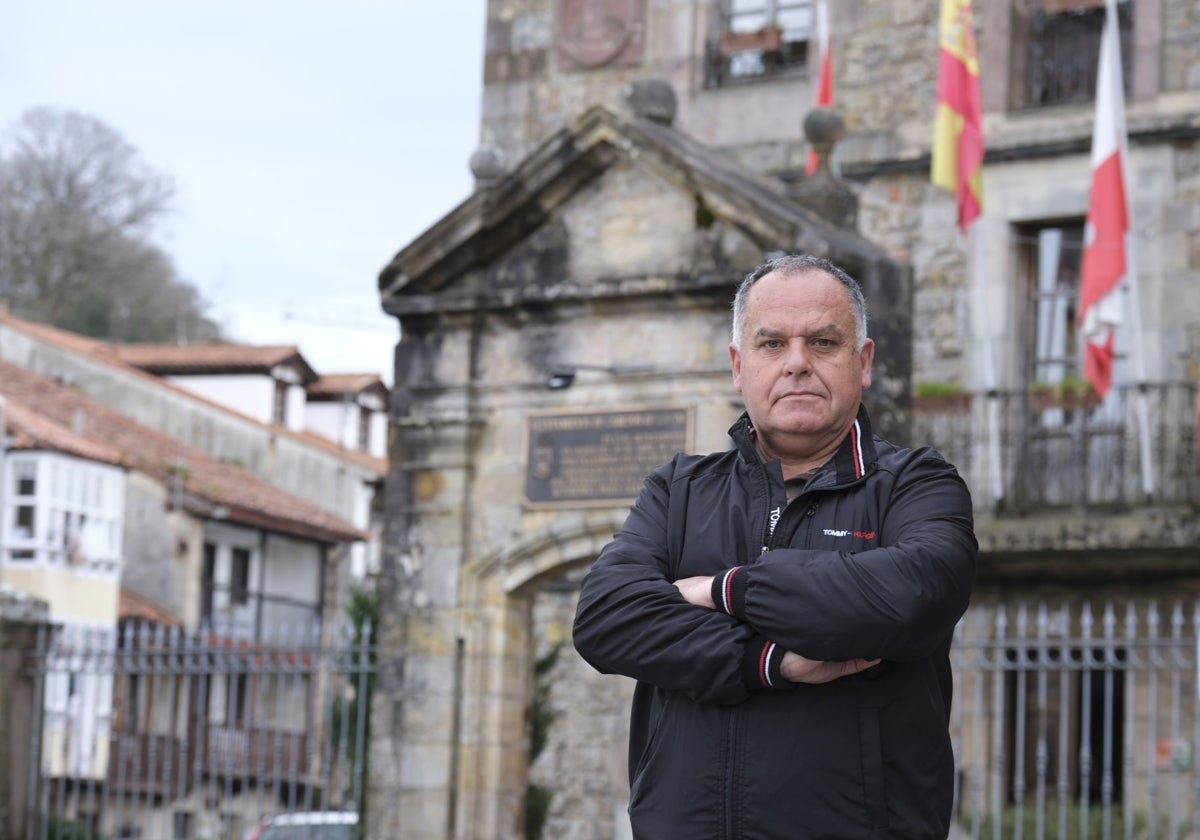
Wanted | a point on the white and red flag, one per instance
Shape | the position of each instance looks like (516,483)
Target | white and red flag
(1107,249)
(825,74)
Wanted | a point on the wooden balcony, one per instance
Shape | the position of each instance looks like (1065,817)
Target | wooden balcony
(149,765)
(263,753)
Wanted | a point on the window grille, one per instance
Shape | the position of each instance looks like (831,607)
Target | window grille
(758,39)
(1056,50)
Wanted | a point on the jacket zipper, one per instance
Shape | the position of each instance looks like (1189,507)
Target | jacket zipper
(767,531)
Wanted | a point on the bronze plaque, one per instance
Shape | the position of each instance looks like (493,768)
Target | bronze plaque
(601,457)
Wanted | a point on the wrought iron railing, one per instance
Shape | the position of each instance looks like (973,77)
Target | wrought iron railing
(291,733)
(1021,455)
(244,614)
(1076,719)
(1062,50)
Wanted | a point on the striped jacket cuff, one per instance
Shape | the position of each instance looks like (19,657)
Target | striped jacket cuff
(729,591)
(760,664)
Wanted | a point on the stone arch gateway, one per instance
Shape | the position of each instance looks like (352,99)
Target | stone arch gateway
(563,331)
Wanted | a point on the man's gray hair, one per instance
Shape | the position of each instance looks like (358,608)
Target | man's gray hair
(801,264)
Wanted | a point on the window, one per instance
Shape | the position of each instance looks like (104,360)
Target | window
(757,39)
(1071,443)
(231,561)
(61,510)
(1056,47)
(279,409)
(23,510)
(239,576)
(364,429)
(1053,254)
(208,581)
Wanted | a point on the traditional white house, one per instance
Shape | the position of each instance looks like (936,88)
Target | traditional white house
(62,500)
(350,408)
(242,405)
(267,382)
(119,527)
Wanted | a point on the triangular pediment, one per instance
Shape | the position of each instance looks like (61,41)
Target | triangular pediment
(525,237)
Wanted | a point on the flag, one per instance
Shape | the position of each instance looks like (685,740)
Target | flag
(958,127)
(1106,247)
(825,75)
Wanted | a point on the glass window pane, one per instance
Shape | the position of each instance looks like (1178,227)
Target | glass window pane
(26,521)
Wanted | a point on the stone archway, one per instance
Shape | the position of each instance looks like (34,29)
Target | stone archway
(500,622)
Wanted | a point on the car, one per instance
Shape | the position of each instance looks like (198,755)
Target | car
(307,825)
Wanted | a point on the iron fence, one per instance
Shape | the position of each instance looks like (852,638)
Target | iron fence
(1075,720)
(158,733)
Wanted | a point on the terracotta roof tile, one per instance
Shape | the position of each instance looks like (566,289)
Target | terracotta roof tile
(247,498)
(33,431)
(334,384)
(133,605)
(211,357)
(106,353)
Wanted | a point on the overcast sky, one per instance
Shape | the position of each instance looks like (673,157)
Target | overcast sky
(309,140)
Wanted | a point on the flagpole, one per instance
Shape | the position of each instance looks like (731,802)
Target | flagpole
(1138,346)
(1139,361)
(990,379)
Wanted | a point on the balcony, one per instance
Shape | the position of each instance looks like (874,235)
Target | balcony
(262,752)
(233,613)
(149,765)
(1073,457)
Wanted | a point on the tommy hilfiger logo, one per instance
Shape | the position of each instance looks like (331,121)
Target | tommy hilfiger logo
(775,514)
(862,535)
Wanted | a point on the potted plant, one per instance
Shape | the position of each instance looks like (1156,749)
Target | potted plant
(767,39)
(940,398)
(1071,392)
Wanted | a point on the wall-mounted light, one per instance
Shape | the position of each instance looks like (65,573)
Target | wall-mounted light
(564,376)
(560,379)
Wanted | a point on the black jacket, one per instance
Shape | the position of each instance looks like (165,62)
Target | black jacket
(874,559)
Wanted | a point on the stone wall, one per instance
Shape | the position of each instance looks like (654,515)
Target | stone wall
(584,762)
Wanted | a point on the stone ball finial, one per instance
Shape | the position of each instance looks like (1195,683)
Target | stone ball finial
(824,125)
(487,166)
(652,99)
(822,191)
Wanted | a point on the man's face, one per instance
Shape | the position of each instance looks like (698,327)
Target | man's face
(797,368)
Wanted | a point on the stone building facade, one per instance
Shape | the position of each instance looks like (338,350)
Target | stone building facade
(611,220)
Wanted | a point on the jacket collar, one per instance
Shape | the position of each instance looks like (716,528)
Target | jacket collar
(851,460)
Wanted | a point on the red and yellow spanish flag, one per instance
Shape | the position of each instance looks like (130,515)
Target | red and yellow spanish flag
(958,129)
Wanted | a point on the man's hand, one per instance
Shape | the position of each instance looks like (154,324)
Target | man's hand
(794,667)
(697,590)
(798,669)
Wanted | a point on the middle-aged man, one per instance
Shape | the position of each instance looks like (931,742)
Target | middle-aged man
(787,606)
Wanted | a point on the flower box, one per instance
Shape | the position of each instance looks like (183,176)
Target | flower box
(1065,396)
(767,39)
(949,403)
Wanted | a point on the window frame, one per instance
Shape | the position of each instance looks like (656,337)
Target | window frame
(1068,39)
(76,507)
(743,54)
